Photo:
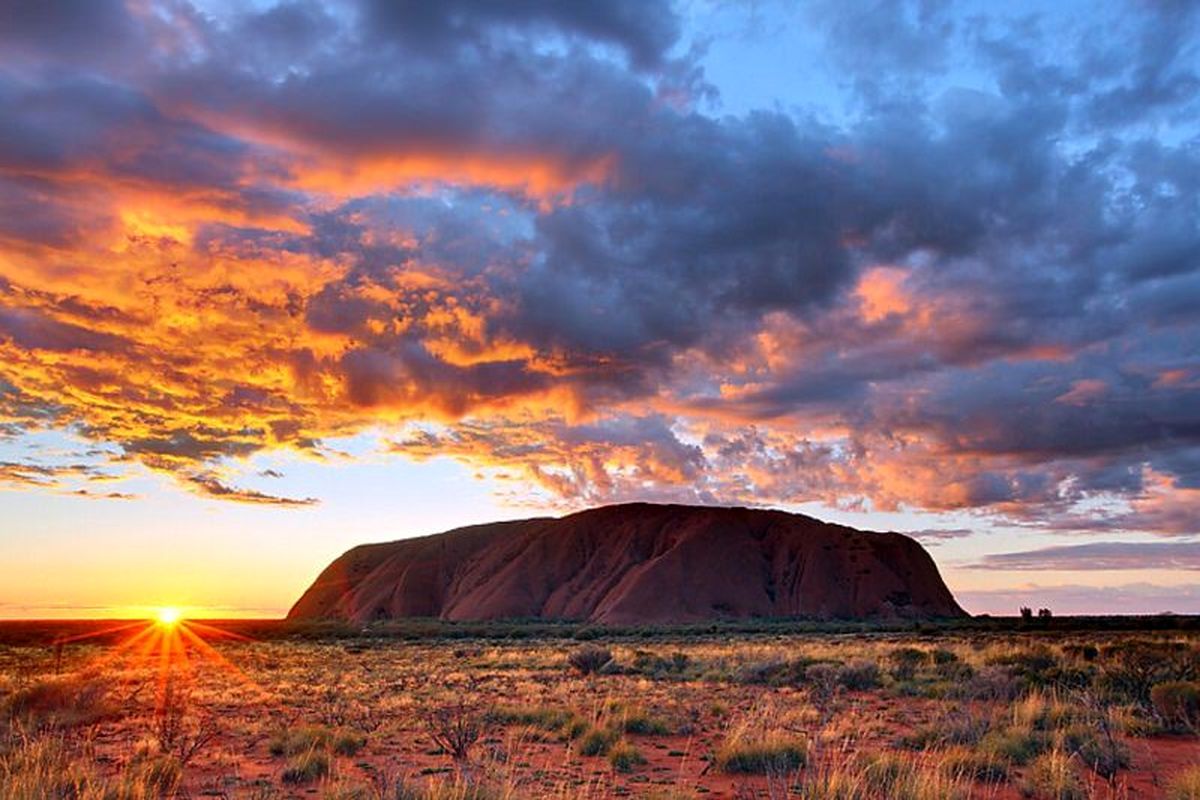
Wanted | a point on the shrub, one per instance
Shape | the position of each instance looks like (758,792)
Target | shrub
(822,681)
(1037,666)
(1185,785)
(293,741)
(990,683)
(589,658)
(769,753)
(598,741)
(455,729)
(906,661)
(638,721)
(943,656)
(1177,703)
(859,675)
(1131,668)
(1019,747)
(953,728)
(348,743)
(1103,754)
(61,702)
(623,757)
(1053,777)
(986,767)
(306,767)
(562,721)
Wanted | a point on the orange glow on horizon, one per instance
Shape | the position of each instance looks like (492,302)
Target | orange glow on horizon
(169,616)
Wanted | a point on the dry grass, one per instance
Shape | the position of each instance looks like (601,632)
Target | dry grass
(775,715)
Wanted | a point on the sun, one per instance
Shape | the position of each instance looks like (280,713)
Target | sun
(168,616)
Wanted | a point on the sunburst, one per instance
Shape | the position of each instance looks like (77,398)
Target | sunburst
(170,644)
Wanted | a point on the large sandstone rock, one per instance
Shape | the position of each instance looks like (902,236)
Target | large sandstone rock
(636,563)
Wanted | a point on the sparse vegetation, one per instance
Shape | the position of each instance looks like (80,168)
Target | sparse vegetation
(463,718)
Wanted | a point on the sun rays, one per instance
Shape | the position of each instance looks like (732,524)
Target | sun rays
(168,645)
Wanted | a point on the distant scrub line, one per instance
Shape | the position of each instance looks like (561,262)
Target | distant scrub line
(47,632)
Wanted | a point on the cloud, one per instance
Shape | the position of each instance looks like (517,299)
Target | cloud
(511,234)
(1123,599)
(1100,556)
(213,487)
(932,537)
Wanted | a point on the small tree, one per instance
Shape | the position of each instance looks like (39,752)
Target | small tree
(455,729)
(1026,613)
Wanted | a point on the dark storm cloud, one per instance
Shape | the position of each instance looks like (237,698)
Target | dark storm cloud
(34,331)
(514,217)
(644,30)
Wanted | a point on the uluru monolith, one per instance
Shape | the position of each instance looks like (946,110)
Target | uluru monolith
(636,563)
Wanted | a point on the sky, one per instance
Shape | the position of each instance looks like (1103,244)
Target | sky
(279,278)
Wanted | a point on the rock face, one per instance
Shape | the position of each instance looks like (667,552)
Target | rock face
(636,563)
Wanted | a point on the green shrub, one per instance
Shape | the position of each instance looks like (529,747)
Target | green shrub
(638,721)
(1016,746)
(1104,755)
(859,676)
(1177,703)
(974,766)
(1131,668)
(906,661)
(955,728)
(562,721)
(943,656)
(292,741)
(771,753)
(1053,777)
(598,741)
(348,743)
(306,767)
(623,756)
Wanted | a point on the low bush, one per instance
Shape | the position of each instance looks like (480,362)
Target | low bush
(1101,753)
(306,767)
(623,756)
(962,728)
(970,765)
(589,659)
(859,676)
(1013,745)
(1177,703)
(906,661)
(1053,777)
(561,721)
(638,721)
(61,702)
(598,741)
(292,741)
(772,753)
